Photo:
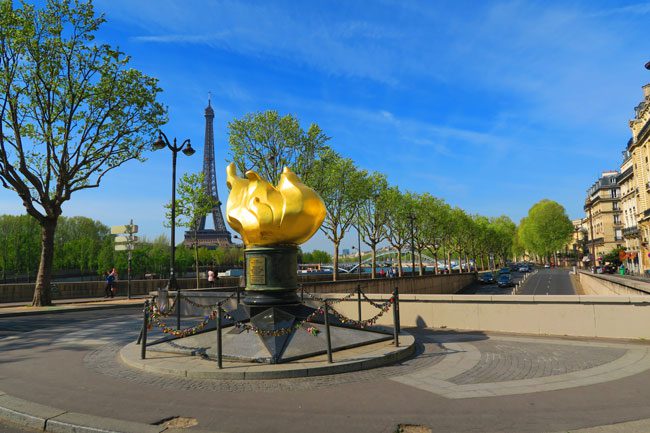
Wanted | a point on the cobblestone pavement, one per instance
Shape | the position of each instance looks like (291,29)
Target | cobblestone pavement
(530,384)
(515,360)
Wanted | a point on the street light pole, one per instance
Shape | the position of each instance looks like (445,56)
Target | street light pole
(411,218)
(359,251)
(186,148)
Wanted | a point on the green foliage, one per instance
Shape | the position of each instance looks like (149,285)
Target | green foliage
(72,110)
(316,256)
(613,256)
(266,142)
(546,228)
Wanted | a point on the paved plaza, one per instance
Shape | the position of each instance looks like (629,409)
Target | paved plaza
(455,382)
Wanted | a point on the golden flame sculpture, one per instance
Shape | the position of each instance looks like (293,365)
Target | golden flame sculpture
(263,215)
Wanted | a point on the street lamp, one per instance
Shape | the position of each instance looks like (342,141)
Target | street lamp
(186,148)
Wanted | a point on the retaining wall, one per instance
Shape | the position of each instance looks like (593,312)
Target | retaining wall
(312,283)
(571,315)
(600,284)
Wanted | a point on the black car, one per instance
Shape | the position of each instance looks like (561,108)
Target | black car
(486,278)
(504,280)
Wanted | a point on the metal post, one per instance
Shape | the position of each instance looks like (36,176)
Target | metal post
(128,269)
(178,309)
(327,333)
(359,251)
(145,325)
(219,351)
(359,300)
(396,294)
(395,325)
(238,295)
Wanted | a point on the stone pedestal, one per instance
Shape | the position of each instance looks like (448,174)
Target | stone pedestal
(271,277)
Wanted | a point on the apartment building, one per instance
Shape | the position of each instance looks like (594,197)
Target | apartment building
(628,205)
(637,218)
(603,216)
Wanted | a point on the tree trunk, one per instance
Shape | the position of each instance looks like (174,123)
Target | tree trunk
(399,262)
(42,294)
(460,261)
(482,263)
(421,264)
(196,263)
(335,271)
(435,263)
(469,268)
(373,273)
(448,261)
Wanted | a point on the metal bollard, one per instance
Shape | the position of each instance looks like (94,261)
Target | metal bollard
(219,346)
(396,294)
(327,333)
(395,320)
(178,309)
(145,325)
(359,300)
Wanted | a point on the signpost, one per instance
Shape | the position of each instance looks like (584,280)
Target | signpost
(125,241)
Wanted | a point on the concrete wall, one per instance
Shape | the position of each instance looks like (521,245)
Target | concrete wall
(312,283)
(580,316)
(600,284)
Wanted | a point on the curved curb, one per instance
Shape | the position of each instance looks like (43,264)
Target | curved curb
(197,368)
(36,416)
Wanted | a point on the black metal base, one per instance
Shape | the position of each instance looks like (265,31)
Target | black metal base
(271,276)
(262,298)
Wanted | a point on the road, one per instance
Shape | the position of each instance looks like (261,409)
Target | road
(548,282)
(478,288)
(71,361)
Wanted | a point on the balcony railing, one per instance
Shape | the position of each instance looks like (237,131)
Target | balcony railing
(631,232)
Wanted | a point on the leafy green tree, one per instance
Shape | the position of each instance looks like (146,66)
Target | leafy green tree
(342,187)
(316,256)
(266,142)
(546,228)
(71,111)
(373,216)
(193,203)
(398,228)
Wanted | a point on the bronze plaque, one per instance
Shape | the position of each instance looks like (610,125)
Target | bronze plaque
(257,270)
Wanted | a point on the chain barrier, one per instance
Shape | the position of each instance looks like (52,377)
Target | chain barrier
(367,322)
(156,314)
(331,302)
(165,311)
(189,300)
(371,302)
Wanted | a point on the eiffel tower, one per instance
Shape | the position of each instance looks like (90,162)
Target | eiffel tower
(219,236)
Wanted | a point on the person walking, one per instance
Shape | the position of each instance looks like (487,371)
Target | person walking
(210,278)
(114,283)
(109,284)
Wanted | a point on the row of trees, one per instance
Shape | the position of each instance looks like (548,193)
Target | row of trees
(544,231)
(85,246)
(266,142)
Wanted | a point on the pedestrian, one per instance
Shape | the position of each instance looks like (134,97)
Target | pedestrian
(114,284)
(109,284)
(210,278)
(382,273)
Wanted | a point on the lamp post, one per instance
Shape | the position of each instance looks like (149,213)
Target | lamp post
(411,218)
(186,148)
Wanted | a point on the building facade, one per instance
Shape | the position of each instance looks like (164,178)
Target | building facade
(637,153)
(603,214)
(628,205)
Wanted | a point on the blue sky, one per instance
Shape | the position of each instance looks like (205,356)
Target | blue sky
(491,106)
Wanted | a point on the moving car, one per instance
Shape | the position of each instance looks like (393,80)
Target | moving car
(504,280)
(546,265)
(487,278)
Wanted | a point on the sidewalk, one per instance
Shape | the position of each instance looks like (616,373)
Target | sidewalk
(12,309)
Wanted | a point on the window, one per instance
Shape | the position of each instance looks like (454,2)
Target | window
(617,219)
(615,205)
(613,193)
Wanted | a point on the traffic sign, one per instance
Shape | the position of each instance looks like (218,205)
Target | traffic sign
(126,229)
(124,247)
(125,239)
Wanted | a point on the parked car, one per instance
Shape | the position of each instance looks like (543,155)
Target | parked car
(609,269)
(504,271)
(546,265)
(487,278)
(504,280)
(524,268)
